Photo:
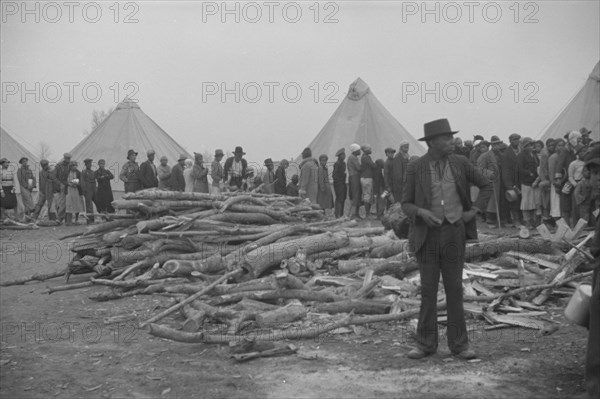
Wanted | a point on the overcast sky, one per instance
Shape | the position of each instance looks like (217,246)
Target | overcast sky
(175,58)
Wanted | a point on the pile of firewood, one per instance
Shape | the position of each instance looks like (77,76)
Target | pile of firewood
(275,267)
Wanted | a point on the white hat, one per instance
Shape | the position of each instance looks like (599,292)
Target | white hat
(354,147)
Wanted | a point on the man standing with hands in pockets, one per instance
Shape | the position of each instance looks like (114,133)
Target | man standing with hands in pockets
(437,198)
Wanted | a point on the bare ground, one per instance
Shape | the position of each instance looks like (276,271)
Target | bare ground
(59,346)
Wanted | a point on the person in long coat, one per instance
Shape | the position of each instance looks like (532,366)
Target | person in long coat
(510,175)
(280,177)
(177,181)
(490,164)
(339,182)
(399,167)
(527,165)
(74,195)
(355,190)
(104,194)
(309,176)
(199,175)
(28,183)
(324,196)
(269,177)
(163,172)
(148,175)
(10,188)
(46,191)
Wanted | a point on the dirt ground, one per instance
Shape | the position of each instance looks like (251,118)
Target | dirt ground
(58,345)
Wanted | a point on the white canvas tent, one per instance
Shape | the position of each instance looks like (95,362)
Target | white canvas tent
(12,150)
(127,127)
(362,119)
(582,111)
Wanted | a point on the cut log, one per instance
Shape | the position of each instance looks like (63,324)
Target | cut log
(286,314)
(393,248)
(303,295)
(533,259)
(35,277)
(356,306)
(244,218)
(194,319)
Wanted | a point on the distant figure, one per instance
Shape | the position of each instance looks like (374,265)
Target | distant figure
(379,188)
(10,188)
(388,175)
(527,165)
(187,175)
(217,174)
(269,178)
(89,188)
(62,174)
(367,171)
(163,172)
(73,195)
(199,175)
(235,168)
(353,165)
(104,194)
(400,166)
(27,183)
(292,188)
(280,177)
(130,173)
(46,191)
(324,195)
(148,173)
(177,181)
(339,183)
(309,176)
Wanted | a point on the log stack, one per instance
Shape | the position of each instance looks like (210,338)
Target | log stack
(268,265)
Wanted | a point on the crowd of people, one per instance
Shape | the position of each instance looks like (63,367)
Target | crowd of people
(533,181)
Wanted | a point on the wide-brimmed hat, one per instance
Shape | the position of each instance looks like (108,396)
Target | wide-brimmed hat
(23,159)
(389,149)
(495,140)
(268,162)
(130,153)
(239,150)
(3,160)
(182,157)
(584,130)
(511,195)
(219,153)
(354,147)
(436,128)
(340,152)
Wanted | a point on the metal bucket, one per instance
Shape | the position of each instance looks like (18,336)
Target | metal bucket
(578,309)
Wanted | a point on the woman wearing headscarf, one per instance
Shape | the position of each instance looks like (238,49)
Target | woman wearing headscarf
(309,176)
(324,196)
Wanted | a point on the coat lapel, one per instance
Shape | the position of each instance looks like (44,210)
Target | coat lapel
(424,177)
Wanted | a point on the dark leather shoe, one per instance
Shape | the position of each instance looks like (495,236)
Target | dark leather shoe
(417,354)
(466,354)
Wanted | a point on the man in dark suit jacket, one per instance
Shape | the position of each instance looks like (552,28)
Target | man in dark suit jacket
(436,197)
(399,166)
(148,176)
(236,169)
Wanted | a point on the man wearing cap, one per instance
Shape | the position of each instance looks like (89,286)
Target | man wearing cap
(339,183)
(163,172)
(10,188)
(545,181)
(216,173)
(400,165)
(177,181)
(490,164)
(510,175)
(130,173)
(585,136)
(27,183)
(436,197)
(269,177)
(367,172)
(62,174)
(592,361)
(388,175)
(46,191)
(104,195)
(148,173)
(353,165)
(280,177)
(236,168)
(89,188)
